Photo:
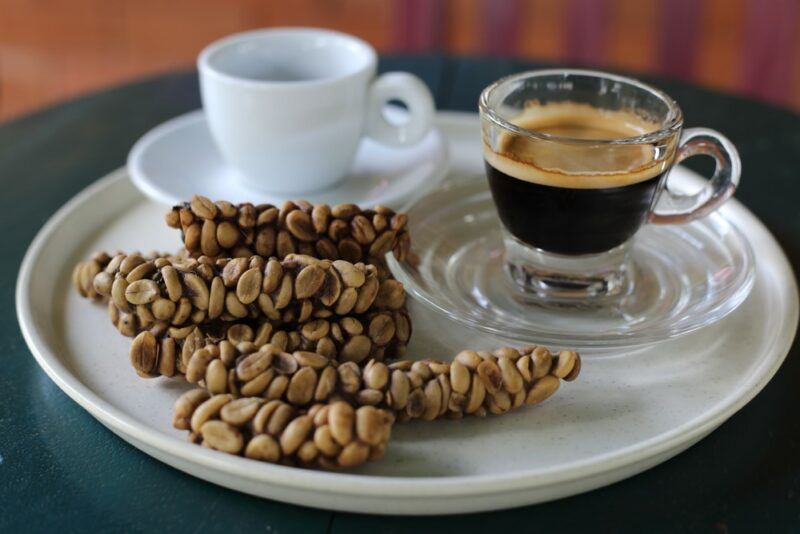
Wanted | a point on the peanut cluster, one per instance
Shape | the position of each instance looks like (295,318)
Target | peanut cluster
(343,232)
(169,354)
(474,383)
(168,292)
(332,435)
(290,324)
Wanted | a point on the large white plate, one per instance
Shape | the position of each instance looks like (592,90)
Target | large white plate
(626,413)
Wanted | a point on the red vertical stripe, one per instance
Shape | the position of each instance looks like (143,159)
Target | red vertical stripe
(770,34)
(419,25)
(500,26)
(588,30)
(680,24)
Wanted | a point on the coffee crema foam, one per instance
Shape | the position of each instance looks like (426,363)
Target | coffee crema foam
(576,165)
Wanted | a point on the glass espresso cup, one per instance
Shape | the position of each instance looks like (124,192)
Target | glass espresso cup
(577,161)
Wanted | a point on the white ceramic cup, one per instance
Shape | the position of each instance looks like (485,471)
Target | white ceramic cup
(288,107)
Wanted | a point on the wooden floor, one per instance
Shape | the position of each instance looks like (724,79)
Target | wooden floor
(54,49)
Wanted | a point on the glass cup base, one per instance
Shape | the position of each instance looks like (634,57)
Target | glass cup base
(583,280)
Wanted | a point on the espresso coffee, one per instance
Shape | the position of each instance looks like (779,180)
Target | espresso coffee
(570,197)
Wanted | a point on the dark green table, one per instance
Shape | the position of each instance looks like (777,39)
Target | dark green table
(60,470)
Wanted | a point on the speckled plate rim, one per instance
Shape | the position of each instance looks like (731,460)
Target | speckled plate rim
(342,487)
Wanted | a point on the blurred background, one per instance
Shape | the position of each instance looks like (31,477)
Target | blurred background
(55,49)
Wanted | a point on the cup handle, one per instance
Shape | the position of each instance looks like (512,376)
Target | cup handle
(680,208)
(410,90)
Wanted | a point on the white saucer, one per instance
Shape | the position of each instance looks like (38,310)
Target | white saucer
(178,159)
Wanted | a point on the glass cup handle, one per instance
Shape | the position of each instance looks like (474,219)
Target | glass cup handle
(679,208)
(410,90)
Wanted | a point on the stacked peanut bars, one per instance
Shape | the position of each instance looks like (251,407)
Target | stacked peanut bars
(290,324)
